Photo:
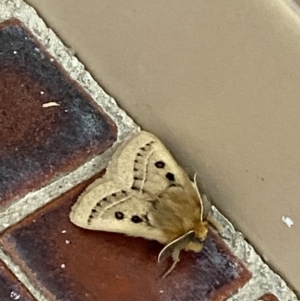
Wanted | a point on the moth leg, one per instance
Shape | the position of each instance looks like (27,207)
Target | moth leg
(217,227)
(175,256)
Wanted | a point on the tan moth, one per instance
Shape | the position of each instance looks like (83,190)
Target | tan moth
(145,193)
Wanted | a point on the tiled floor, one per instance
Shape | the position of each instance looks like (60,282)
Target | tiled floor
(50,126)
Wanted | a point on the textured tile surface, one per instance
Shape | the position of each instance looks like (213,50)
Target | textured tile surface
(70,263)
(10,288)
(40,143)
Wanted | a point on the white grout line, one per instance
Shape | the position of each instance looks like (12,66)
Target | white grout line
(21,276)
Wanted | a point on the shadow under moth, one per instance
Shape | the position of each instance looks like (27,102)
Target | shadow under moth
(145,193)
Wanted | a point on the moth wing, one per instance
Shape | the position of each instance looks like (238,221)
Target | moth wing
(108,208)
(140,170)
(144,164)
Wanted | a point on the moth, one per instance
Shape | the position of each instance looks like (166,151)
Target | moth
(145,193)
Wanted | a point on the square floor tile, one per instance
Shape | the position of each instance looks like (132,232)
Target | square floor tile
(48,124)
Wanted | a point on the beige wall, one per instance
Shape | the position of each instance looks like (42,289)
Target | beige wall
(219,83)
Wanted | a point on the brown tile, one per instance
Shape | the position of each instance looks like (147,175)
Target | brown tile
(268,297)
(74,264)
(37,143)
(11,288)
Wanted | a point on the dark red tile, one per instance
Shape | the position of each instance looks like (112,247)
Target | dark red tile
(11,288)
(268,297)
(39,144)
(70,263)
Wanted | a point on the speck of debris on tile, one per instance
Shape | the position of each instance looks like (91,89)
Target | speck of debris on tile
(15,296)
(63,266)
(265,258)
(64,231)
(67,242)
(288,221)
(50,104)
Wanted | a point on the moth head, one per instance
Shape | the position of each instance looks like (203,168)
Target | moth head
(196,243)
(201,230)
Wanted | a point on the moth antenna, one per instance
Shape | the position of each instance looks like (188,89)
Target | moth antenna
(214,224)
(199,196)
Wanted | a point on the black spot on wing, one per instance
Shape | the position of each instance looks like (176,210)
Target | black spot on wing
(140,166)
(90,219)
(160,164)
(170,176)
(119,215)
(136,219)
